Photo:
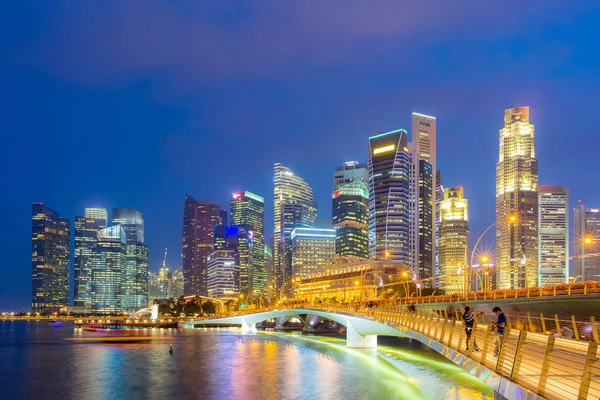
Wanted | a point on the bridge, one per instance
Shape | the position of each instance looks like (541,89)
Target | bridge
(360,331)
(529,365)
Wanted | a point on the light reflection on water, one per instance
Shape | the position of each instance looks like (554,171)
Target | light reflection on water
(223,364)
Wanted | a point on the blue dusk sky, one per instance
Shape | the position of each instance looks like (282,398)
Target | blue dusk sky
(136,103)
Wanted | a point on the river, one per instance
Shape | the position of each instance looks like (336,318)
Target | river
(37,363)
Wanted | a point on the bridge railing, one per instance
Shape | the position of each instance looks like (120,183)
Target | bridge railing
(552,367)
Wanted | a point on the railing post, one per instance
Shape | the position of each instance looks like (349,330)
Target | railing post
(546,366)
(594,328)
(529,322)
(543,323)
(586,377)
(575,331)
(514,376)
(460,338)
(558,331)
(486,344)
(452,324)
(437,325)
(505,338)
(444,321)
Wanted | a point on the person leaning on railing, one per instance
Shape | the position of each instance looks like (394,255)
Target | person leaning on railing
(499,327)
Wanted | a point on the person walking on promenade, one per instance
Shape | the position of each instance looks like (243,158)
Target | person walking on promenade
(500,326)
(469,318)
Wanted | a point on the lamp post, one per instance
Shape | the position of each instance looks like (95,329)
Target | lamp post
(588,241)
(512,219)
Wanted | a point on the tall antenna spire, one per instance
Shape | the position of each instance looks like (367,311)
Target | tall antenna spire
(164,265)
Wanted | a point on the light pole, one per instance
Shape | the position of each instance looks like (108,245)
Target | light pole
(512,219)
(588,241)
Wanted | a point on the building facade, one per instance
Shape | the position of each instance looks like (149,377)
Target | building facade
(312,249)
(86,239)
(389,216)
(134,290)
(454,242)
(223,273)
(350,211)
(517,213)
(422,198)
(553,247)
(587,242)
(248,210)
(199,221)
(349,172)
(109,272)
(50,259)
(293,207)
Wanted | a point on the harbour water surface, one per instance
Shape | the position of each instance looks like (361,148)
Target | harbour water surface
(37,363)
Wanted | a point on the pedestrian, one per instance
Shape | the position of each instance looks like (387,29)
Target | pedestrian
(469,318)
(500,326)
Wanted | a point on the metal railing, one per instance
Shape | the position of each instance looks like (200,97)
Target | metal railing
(550,366)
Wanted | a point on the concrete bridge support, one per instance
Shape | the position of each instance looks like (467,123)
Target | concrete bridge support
(248,328)
(355,339)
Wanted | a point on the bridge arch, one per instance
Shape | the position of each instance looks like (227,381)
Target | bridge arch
(360,331)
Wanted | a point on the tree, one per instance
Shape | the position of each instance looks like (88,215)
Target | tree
(209,307)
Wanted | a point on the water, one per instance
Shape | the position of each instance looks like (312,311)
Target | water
(37,363)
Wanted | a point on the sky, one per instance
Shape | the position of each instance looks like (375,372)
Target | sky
(136,103)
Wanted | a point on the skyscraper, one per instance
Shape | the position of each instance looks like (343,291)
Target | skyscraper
(293,207)
(350,171)
(553,244)
(248,209)
(223,273)
(109,271)
(439,196)
(50,245)
(516,203)
(351,219)
(389,216)
(312,249)
(86,239)
(134,290)
(422,197)
(587,242)
(453,241)
(199,220)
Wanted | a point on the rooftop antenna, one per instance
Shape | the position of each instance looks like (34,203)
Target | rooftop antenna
(164,265)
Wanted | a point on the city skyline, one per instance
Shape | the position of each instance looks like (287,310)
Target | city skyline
(306,118)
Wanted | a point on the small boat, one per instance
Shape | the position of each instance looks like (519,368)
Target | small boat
(110,330)
(120,339)
(55,323)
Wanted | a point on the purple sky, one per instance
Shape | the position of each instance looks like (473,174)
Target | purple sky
(133,104)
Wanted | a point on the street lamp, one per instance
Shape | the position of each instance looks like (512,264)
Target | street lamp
(512,219)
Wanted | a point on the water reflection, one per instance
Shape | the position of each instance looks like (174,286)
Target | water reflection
(223,364)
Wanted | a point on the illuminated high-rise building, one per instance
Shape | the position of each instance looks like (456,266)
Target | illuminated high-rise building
(248,209)
(454,241)
(293,207)
(517,203)
(86,239)
(422,198)
(199,220)
(50,252)
(553,247)
(109,272)
(134,289)
(349,172)
(439,196)
(96,213)
(587,242)
(351,219)
(223,273)
(389,216)
(312,249)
